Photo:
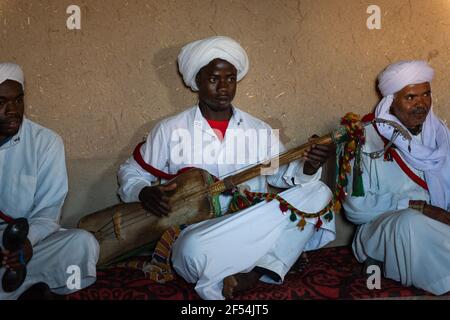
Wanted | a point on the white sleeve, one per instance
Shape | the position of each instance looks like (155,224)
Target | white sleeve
(376,201)
(132,177)
(360,210)
(293,175)
(289,175)
(50,194)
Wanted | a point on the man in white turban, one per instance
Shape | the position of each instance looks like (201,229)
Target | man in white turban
(198,54)
(403,219)
(33,185)
(230,253)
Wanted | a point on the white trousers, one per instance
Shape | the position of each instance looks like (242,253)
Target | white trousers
(53,256)
(414,249)
(207,252)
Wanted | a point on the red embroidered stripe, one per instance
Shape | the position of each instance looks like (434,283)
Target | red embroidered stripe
(157,173)
(414,177)
(407,170)
(368,117)
(5,217)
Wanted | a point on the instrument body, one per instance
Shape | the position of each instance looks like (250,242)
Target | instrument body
(124,227)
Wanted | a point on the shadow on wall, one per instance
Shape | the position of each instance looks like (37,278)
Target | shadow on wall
(93,182)
(179,96)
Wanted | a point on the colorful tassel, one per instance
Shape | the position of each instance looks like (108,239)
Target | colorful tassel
(302,224)
(283,207)
(318,224)
(329,216)
(293,217)
(357,185)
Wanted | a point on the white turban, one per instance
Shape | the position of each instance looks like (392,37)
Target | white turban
(197,54)
(432,154)
(11,71)
(401,74)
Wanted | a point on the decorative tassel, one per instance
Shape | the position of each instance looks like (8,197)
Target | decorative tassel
(302,224)
(283,207)
(239,202)
(293,217)
(329,216)
(358,186)
(318,224)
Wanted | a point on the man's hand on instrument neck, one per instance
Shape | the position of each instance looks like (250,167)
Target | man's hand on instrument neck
(430,211)
(156,200)
(315,156)
(12,260)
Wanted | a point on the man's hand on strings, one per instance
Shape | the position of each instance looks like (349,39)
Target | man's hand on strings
(156,200)
(315,156)
(12,260)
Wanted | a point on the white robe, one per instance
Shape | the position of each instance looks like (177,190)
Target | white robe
(34,185)
(209,240)
(414,249)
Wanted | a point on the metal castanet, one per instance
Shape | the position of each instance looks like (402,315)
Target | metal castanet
(14,238)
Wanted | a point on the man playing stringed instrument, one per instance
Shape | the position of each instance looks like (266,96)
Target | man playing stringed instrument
(403,216)
(231,253)
(33,185)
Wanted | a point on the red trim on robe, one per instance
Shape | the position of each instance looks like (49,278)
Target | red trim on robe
(5,217)
(392,152)
(152,170)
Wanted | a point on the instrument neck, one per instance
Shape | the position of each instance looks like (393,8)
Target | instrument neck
(269,167)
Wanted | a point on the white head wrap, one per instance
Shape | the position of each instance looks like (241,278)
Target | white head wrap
(432,155)
(11,71)
(401,74)
(197,54)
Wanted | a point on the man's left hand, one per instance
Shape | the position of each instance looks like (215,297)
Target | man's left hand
(11,260)
(431,211)
(315,156)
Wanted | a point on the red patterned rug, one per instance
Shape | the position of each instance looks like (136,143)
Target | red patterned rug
(332,273)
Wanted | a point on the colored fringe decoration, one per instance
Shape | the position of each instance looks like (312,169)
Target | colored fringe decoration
(159,268)
(344,154)
(357,183)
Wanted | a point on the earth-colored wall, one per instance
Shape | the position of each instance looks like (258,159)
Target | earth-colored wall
(103,87)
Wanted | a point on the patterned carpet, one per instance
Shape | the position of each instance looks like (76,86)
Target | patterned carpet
(332,273)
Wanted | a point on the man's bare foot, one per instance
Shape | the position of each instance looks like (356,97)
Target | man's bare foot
(239,282)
